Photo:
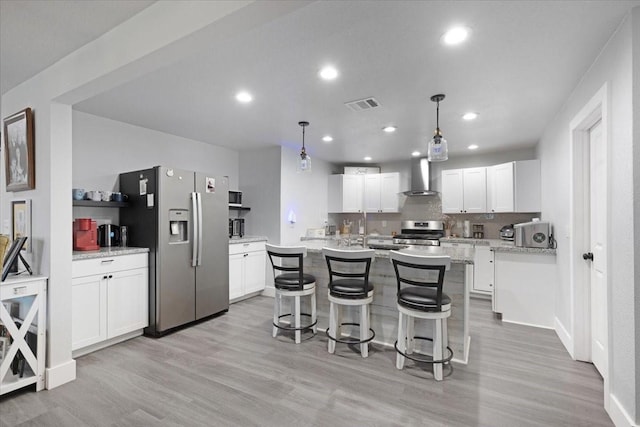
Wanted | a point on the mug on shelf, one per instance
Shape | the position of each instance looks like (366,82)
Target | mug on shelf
(78,193)
(119,197)
(106,195)
(93,195)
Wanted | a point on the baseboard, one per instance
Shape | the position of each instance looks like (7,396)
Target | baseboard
(61,374)
(526,324)
(107,343)
(269,292)
(565,336)
(618,415)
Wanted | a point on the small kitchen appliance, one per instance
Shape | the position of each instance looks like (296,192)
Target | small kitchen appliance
(236,227)
(420,233)
(235,198)
(507,233)
(85,235)
(466,229)
(108,235)
(535,234)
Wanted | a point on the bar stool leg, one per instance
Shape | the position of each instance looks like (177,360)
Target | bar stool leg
(314,313)
(437,349)
(297,318)
(276,313)
(410,334)
(331,346)
(402,340)
(364,329)
(445,338)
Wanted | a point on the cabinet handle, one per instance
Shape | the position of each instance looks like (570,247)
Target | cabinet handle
(106,261)
(104,277)
(111,276)
(490,261)
(246,254)
(19,290)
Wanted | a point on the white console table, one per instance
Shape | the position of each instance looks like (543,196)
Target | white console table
(23,319)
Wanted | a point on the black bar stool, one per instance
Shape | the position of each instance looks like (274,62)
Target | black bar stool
(352,288)
(420,281)
(292,283)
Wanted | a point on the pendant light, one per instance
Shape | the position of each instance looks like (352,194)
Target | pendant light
(438,150)
(305,160)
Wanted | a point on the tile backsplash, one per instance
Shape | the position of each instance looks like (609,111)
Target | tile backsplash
(429,208)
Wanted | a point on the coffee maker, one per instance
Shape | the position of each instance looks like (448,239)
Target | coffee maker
(85,235)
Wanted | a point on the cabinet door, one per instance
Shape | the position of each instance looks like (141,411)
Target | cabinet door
(389,190)
(475,190)
(127,301)
(352,189)
(236,273)
(372,185)
(503,200)
(452,187)
(254,272)
(88,310)
(484,272)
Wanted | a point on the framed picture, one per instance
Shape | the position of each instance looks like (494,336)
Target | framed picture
(19,152)
(21,215)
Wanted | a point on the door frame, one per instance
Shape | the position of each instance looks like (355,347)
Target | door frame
(579,273)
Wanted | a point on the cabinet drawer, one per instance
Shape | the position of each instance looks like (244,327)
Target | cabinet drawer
(239,248)
(102,265)
(21,289)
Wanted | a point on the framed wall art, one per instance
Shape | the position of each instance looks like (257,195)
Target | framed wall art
(21,216)
(19,154)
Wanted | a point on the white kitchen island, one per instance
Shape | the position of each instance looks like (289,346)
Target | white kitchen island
(384,313)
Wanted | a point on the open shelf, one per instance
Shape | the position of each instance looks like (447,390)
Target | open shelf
(239,208)
(94,204)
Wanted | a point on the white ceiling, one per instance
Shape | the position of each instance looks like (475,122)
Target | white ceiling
(518,67)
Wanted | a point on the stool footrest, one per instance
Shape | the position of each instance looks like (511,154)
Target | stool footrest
(292,328)
(425,358)
(351,340)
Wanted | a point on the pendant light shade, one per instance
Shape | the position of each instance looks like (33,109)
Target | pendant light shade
(305,160)
(438,150)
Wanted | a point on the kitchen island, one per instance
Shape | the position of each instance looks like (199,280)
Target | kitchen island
(384,313)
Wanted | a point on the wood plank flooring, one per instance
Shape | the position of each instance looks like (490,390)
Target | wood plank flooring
(229,371)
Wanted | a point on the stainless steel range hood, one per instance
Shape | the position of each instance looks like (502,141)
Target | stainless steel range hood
(420,182)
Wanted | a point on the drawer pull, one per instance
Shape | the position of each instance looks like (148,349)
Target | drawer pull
(19,290)
(106,261)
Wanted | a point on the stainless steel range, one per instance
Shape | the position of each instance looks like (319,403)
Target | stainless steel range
(420,233)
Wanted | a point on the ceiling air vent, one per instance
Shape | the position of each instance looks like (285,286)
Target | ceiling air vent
(363,104)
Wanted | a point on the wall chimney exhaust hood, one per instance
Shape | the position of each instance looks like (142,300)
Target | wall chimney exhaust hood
(420,183)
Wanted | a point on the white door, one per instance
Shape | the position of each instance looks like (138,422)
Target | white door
(597,193)
(236,273)
(502,191)
(452,196)
(372,192)
(475,190)
(389,189)
(254,271)
(127,301)
(352,189)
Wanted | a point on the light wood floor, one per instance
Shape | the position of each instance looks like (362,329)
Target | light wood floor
(229,371)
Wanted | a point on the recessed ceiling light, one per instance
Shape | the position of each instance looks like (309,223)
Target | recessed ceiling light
(455,35)
(327,138)
(367,159)
(415,153)
(328,73)
(244,97)
(470,116)
(473,147)
(389,129)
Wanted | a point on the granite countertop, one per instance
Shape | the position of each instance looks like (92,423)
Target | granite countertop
(499,245)
(247,239)
(458,255)
(108,252)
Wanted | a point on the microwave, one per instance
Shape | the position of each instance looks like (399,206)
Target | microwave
(235,198)
(535,234)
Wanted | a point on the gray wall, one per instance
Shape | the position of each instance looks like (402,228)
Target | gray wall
(617,65)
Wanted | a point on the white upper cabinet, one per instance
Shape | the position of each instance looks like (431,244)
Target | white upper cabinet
(381,192)
(464,190)
(514,187)
(345,193)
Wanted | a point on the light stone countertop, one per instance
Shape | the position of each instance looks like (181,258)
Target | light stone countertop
(247,239)
(108,252)
(499,245)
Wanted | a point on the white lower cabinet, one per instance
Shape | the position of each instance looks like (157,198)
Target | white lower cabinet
(109,298)
(246,269)
(484,273)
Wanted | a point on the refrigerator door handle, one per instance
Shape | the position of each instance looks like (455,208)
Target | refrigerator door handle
(196,226)
(200,223)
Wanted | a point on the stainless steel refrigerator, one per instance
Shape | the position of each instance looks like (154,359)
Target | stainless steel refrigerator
(182,217)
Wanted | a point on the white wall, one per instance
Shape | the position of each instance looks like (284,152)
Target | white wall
(614,66)
(303,193)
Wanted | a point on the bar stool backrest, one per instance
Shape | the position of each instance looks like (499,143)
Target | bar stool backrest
(278,255)
(412,270)
(349,264)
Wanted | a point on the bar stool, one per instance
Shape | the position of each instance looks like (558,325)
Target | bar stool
(293,283)
(352,288)
(420,280)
